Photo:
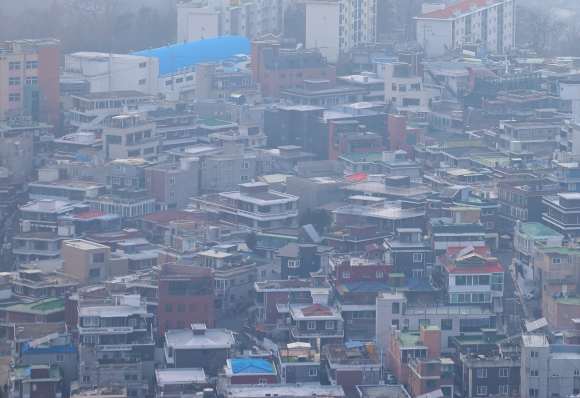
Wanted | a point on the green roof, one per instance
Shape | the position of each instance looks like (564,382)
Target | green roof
(409,338)
(567,300)
(46,305)
(213,122)
(24,371)
(478,339)
(535,229)
(560,250)
(430,327)
(376,157)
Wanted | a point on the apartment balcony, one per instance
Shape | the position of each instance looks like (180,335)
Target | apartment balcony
(109,330)
(267,216)
(36,252)
(565,279)
(314,334)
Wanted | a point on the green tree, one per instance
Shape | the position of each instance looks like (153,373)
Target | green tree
(251,240)
(319,219)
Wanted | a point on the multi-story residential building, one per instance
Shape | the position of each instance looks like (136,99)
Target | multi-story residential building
(35,284)
(354,238)
(177,127)
(337,27)
(130,135)
(48,310)
(35,381)
(185,297)
(116,342)
(374,86)
(234,286)
(17,155)
(250,19)
(211,83)
(409,252)
(255,207)
(526,237)
(567,173)
(247,371)
(29,71)
(93,111)
(471,275)
(348,136)
(563,213)
(548,370)
(298,363)
(130,203)
(296,390)
(389,163)
(490,22)
(300,260)
(322,92)
(176,382)
(394,308)
(431,372)
(557,277)
(172,184)
(199,347)
(315,324)
(91,262)
(522,200)
(404,89)
(342,365)
(50,186)
(444,233)
(533,137)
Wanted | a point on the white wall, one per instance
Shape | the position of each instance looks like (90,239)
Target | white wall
(322,28)
(202,23)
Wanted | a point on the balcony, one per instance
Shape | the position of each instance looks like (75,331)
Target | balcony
(267,216)
(312,334)
(109,330)
(36,252)
(143,141)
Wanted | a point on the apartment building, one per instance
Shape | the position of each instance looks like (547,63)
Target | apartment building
(526,237)
(533,137)
(490,22)
(177,127)
(17,155)
(294,370)
(35,284)
(338,26)
(186,297)
(444,233)
(93,111)
(563,213)
(116,342)
(47,310)
(29,78)
(256,207)
(35,381)
(211,83)
(276,67)
(130,135)
(172,184)
(91,262)
(198,20)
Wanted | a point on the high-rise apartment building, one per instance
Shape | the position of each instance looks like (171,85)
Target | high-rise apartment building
(29,78)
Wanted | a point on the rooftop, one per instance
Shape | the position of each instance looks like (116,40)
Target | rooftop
(306,390)
(249,366)
(31,331)
(179,376)
(24,372)
(111,95)
(48,305)
(536,230)
(212,338)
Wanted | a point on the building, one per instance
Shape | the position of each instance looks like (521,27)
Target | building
(38,380)
(431,372)
(286,157)
(400,134)
(90,262)
(276,67)
(300,260)
(374,86)
(315,324)
(298,363)
(130,135)
(177,127)
(249,19)
(526,237)
(409,252)
(535,137)
(185,348)
(255,207)
(342,365)
(171,382)
(47,310)
(489,22)
(172,184)
(322,91)
(17,154)
(349,136)
(296,390)
(35,284)
(30,79)
(562,213)
(444,233)
(185,297)
(339,26)
(248,371)
(93,111)
(211,83)
(405,89)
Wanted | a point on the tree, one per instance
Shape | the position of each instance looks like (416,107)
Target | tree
(319,219)
(295,22)
(251,240)
(539,29)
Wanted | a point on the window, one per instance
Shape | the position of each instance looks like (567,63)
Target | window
(91,338)
(424,322)
(128,182)
(488,225)
(482,390)
(503,390)
(31,80)
(569,260)
(556,260)
(346,274)
(577,373)
(59,357)
(312,372)
(481,373)
(14,97)
(172,181)
(91,321)
(263,381)
(142,64)
(431,367)
(180,307)
(116,181)
(293,263)
(402,87)
(172,194)
(534,354)
(245,165)
(433,205)
(214,179)
(94,273)
(168,307)
(417,257)
(394,86)
(30,65)
(533,392)
(431,383)
(133,322)
(86,379)
(98,258)
(395,308)
(214,166)
(379,274)
(311,325)
(34,387)
(446,324)
(38,318)
(142,82)
(14,81)
(534,373)
(13,65)
(329,325)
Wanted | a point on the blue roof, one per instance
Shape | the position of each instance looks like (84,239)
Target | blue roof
(26,350)
(221,48)
(244,366)
(367,286)
(419,284)
(353,344)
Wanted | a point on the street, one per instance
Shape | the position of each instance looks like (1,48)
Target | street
(512,304)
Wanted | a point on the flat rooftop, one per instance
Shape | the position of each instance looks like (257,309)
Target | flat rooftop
(83,244)
(179,376)
(284,390)
(213,338)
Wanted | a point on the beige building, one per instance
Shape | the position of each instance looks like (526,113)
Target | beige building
(131,135)
(403,89)
(91,262)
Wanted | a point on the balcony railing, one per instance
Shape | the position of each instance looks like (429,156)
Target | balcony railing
(106,330)
(316,333)
(268,216)
(25,251)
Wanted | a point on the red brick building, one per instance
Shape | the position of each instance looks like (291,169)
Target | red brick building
(185,297)
(277,68)
(400,134)
(346,136)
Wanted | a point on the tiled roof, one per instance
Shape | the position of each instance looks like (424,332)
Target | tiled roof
(447,12)
(316,310)
(89,214)
(419,285)
(245,366)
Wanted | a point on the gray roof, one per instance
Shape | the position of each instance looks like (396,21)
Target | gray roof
(293,249)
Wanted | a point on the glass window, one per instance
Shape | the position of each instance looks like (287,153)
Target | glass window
(482,390)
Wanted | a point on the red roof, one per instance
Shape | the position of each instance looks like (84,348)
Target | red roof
(481,250)
(494,268)
(359,177)
(447,12)
(316,310)
(90,214)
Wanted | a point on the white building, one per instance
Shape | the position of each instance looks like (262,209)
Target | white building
(198,20)
(491,22)
(403,89)
(526,236)
(336,26)
(113,72)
